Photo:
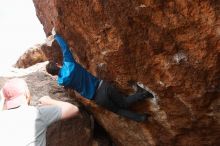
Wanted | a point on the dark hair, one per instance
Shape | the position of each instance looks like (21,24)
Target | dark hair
(52,68)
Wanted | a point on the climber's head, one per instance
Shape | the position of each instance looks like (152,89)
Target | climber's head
(53,68)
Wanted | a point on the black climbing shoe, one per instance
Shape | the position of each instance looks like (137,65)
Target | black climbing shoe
(146,93)
(139,89)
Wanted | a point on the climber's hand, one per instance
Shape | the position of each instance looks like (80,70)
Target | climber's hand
(53,31)
(45,100)
(49,40)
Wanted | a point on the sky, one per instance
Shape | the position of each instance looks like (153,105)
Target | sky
(20,29)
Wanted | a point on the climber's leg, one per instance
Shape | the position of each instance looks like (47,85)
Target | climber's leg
(102,97)
(125,101)
(110,97)
(117,97)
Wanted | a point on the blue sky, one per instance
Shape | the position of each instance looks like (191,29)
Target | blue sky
(19,30)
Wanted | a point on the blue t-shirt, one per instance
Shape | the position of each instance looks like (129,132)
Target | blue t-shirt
(73,75)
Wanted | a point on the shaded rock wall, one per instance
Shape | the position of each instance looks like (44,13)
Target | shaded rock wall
(62,132)
(172,47)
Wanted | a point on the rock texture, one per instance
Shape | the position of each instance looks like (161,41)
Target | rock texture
(39,53)
(171,47)
(30,57)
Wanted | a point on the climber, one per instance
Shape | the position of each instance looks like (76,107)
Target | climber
(73,75)
(22,124)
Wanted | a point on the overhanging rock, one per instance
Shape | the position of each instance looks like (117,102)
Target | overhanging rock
(171,47)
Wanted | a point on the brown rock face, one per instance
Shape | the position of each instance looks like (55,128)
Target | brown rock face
(39,53)
(171,47)
(30,57)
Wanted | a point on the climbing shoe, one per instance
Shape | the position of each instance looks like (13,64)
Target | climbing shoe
(147,94)
(140,89)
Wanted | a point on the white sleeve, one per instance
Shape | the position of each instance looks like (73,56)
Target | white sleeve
(2,100)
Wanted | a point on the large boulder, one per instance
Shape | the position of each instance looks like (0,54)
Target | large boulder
(172,48)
